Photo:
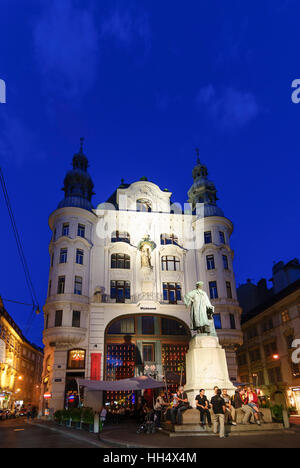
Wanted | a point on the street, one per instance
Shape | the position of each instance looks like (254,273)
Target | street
(17,433)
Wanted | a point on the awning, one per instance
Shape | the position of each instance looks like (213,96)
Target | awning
(125,385)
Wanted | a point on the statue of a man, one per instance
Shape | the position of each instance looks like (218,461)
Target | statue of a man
(201,310)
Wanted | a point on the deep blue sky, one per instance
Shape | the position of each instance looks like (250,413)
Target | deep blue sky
(145,82)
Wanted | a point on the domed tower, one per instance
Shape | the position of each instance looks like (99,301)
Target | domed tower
(66,311)
(215,261)
(78,185)
(203,191)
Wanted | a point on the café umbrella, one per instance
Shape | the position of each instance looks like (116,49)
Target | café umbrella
(124,385)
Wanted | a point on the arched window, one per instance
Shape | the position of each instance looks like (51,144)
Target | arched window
(143,205)
(170,263)
(120,261)
(120,236)
(168,239)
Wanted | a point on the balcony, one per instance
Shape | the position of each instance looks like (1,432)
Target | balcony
(64,335)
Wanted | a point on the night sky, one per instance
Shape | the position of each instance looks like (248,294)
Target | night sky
(145,82)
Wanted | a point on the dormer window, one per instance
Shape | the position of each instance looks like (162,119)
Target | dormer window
(143,205)
(120,236)
(168,239)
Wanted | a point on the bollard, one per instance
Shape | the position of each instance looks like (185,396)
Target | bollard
(96,423)
(286,421)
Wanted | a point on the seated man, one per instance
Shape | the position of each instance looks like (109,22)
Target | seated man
(202,405)
(230,413)
(181,405)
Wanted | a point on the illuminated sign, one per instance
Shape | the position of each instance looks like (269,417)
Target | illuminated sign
(47,395)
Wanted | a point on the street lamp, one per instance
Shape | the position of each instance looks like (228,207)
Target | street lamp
(275,357)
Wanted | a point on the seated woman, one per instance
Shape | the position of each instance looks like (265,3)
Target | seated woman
(252,401)
(160,405)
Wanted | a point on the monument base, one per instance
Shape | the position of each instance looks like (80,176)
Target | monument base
(206,367)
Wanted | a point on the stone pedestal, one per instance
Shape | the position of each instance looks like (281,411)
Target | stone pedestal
(206,367)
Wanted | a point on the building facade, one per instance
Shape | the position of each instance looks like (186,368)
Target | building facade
(118,275)
(21,365)
(266,359)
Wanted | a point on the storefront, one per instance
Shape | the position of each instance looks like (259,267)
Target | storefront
(151,345)
(294,397)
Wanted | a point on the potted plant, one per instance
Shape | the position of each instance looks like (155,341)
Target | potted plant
(66,416)
(88,418)
(76,414)
(58,416)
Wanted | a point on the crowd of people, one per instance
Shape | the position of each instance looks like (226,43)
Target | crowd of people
(221,409)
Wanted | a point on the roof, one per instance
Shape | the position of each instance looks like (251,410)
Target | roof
(273,300)
(18,330)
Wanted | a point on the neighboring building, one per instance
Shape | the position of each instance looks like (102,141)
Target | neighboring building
(265,359)
(21,365)
(251,295)
(118,275)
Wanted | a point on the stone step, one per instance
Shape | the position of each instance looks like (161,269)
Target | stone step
(196,429)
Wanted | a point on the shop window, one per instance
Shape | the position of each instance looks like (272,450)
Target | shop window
(148,325)
(148,352)
(122,327)
(172,327)
(76,359)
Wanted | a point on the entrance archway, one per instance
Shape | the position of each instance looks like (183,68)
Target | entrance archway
(139,344)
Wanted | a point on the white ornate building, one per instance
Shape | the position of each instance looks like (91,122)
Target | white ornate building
(118,274)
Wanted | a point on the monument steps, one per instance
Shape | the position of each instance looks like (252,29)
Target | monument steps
(240,429)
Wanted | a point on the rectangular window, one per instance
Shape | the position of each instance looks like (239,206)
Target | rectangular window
(274,375)
(49,289)
(285,316)
(148,325)
(217,320)
(61,285)
(46,322)
(252,333)
(65,229)
(207,237)
(255,354)
(210,262)
(213,290)
(79,256)
(78,285)
(222,237)
(225,262)
(63,256)
(295,370)
(270,349)
(76,319)
(228,290)
(267,324)
(52,259)
(58,318)
(172,292)
(120,290)
(148,352)
(81,230)
(54,235)
(232,321)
